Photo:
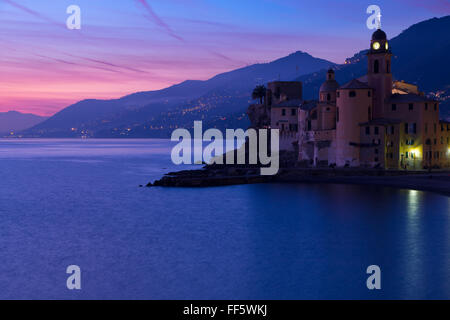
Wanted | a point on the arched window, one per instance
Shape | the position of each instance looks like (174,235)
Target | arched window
(376,67)
(328,97)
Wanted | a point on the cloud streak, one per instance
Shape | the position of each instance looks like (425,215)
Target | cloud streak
(152,16)
(33,13)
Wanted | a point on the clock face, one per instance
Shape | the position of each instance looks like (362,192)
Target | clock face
(376,45)
(387,46)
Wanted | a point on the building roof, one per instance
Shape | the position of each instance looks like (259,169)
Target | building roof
(329,86)
(381,122)
(294,103)
(355,84)
(410,97)
(309,105)
(379,35)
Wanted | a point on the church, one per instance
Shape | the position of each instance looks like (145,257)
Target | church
(371,121)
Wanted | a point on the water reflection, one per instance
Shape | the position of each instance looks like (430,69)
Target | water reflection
(412,254)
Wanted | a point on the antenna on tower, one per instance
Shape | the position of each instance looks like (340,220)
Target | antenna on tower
(379,20)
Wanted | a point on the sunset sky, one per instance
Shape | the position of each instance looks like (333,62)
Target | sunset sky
(136,45)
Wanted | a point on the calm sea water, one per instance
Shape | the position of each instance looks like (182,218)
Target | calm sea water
(65,202)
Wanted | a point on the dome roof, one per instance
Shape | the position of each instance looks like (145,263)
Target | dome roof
(379,35)
(329,86)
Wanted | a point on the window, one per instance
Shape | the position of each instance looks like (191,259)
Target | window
(406,128)
(435,128)
(435,106)
(369,93)
(394,107)
(376,67)
(376,159)
(388,67)
(328,97)
(435,141)
(369,112)
(392,130)
(367,130)
(406,155)
(352,94)
(426,106)
(376,151)
(442,140)
(414,128)
(283,112)
(411,106)
(282,127)
(293,113)
(376,130)
(338,94)
(426,127)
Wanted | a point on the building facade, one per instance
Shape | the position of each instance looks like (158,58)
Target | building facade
(371,121)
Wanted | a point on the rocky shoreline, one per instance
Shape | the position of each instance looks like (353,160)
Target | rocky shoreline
(211,176)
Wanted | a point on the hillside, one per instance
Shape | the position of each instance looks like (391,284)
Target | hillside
(420,57)
(154,113)
(14,121)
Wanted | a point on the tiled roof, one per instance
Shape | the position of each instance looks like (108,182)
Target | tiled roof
(288,103)
(355,84)
(308,105)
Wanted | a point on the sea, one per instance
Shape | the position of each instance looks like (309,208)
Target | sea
(79,202)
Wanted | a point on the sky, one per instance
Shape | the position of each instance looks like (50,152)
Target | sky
(126,46)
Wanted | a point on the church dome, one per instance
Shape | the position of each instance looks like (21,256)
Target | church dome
(379,35)
(329,86)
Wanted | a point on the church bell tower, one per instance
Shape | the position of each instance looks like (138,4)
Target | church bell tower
(379,74)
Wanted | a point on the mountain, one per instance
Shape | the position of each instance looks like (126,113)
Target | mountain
(420,56)
(155,113)
(14,121)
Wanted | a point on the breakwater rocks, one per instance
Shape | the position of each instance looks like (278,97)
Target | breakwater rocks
(211,176)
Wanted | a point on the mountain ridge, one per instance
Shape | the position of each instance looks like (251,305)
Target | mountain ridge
(13,121)
(222,100)
(87,117)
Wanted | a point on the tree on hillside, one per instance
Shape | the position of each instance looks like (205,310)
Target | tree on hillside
(259,93)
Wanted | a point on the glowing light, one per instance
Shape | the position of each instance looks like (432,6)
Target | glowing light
(415,152)
(376,45)
(387,46)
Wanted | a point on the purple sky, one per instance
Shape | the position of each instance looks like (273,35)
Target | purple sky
(136,45)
